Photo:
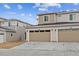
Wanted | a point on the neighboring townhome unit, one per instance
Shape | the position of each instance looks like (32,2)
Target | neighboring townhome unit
(13,23)
(18,29)
(18,23)
(55,27)
(7,35)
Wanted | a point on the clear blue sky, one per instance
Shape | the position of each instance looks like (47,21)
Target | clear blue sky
(28,11)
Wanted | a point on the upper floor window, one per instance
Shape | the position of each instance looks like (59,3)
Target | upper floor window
(11,34)
(59,15)
(8,23)
(2,22)
(45,18)
(17,24)
(71,17)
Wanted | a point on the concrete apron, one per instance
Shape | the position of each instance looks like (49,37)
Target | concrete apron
(54,46)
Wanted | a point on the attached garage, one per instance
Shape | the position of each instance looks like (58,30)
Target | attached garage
(39,36)
(6,34)
(1,37)
(68,35)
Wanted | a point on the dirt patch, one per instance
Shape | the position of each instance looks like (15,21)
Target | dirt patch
(7,45)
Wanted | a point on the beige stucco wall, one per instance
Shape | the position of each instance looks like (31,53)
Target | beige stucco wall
(51,19)
(65,17)
(77,17)
(20,24)
(13,23)
(9,37)
(20,33)
(5,23)
(2,20)
(20,30)
(61,17)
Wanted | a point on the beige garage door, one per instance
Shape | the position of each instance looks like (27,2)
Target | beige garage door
(42,36)
(68,35)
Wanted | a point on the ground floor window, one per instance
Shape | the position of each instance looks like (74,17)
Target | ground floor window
(11,34)
(40,31)
(31,31)
(47,30)
(36,30)
(25,35)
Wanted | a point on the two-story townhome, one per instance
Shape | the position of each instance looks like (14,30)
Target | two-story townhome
(12,30)
(55,27)
(52,27)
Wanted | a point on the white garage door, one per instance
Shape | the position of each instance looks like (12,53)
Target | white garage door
(1,37)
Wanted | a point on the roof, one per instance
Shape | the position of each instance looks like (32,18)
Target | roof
(3,18)
(45,14)
(66,12)
(8,29)
(59,23)
(62,12)
(50,26)
(56,25)
(15,20)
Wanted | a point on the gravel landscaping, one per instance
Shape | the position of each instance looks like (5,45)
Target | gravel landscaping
(8,45)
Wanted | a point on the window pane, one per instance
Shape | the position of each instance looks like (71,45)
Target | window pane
(41,30)
(36,30)
(71,17)
(45,18)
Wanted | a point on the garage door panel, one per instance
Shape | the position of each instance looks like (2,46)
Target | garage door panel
(33,36)
(40,36)
(69,36)
(1,38)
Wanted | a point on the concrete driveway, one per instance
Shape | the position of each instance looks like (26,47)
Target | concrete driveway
(49,46)
(36,52)
(43,49)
